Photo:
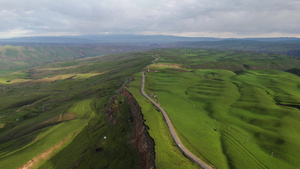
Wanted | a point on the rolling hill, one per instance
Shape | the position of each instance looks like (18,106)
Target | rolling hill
(73,113)
(13,58)
(231,109)
(80,106)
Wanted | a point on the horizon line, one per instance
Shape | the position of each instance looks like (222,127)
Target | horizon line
(179,36)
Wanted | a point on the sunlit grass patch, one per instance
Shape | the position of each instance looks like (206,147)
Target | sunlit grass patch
(167,154)
(236,107)
(59,68)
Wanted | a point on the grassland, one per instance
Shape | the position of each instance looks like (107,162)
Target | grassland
(167,153)
(288,47)
(53,116)
(232,109)
(15,58)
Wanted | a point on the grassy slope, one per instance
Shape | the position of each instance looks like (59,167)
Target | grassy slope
(289,48)
(246,102)
(227,59)
(66,114)
(167,153)
(73,93)
(14,58)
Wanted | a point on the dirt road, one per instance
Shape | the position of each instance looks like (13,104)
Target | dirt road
(173,133)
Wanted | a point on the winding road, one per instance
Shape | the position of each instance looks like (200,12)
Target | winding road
(173,133)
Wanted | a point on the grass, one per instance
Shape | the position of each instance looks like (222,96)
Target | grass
(15,58)
(225,59)
(231,109)
(58,109)
(45,139)
(216,111)
(167,153)
(288,47)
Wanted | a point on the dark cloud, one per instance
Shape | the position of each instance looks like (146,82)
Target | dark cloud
(221,18)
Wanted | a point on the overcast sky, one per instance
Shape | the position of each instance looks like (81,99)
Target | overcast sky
(201,18)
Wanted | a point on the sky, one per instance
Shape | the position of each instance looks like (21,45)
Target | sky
(192,18)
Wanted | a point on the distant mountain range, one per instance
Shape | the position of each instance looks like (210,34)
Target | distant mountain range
(92,39)
(135,39)
(283,45)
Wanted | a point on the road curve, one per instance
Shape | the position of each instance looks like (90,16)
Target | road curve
(173,133)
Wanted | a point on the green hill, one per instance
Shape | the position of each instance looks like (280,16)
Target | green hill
(13,58)
(62,109)
(68,114)
(232,109)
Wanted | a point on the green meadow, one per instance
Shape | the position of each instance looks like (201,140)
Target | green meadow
(54,115)
(19,58)
(232,109)
(167,154)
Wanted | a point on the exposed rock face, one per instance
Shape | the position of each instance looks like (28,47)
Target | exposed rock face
(142,140)
(109,111)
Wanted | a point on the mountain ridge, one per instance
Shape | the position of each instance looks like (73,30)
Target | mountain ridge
(128,38)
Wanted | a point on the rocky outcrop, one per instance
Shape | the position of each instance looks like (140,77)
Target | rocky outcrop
(141,138)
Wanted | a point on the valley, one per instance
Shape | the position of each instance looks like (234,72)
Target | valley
(68,114)
(230,109)
(149,84)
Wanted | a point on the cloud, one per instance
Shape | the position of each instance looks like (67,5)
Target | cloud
(221,18)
